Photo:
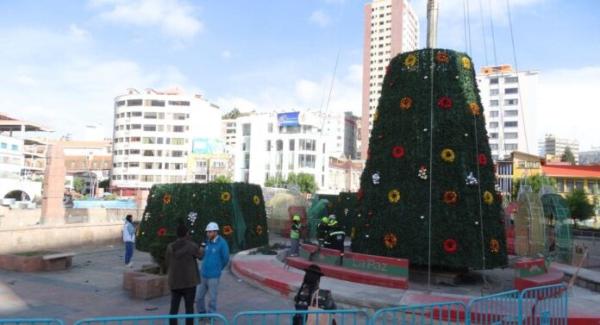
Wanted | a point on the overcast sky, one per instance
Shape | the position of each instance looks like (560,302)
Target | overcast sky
(63,62)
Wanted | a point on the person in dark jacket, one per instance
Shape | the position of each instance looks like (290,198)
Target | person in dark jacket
(322,231)
(308,288)
(182,272)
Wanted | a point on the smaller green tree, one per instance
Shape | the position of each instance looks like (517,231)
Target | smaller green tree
(275,181)
(568,156)
(79,184)
(222,179)
(105,184)
(306,182)
(535,181)
(579,205)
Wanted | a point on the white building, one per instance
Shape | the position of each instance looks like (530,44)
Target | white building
(509,101)
(12,159)
(154,132)
(391,27)
(271,144)
(553,147)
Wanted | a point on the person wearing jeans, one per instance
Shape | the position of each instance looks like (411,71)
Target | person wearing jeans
(129,239)
(216,257)
(182,272)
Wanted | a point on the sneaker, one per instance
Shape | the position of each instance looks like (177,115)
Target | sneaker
(130,265)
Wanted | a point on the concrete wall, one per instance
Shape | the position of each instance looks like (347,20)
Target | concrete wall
(18,218)
(38,238)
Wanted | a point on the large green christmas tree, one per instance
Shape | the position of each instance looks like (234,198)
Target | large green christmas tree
(428,188)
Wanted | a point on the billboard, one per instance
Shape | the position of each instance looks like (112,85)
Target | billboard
(288,119)
(207,146)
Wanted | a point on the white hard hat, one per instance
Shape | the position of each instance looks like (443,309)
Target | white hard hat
(332,217)
(212,226)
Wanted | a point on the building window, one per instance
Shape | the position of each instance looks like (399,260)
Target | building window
(308,145)
(569,185)
(511,124)
(493,135)
(511,135)
(292,144)
(177,141)
(494,102)
(306,161)
(510,80)
(149,127)
(493,124)
(136,126)
(136,114)
(579,184)
(150,115)
(493,113)
(134,102)
(160,103)
(179,103)
(178,128)
(493,81)
(148,153)
(270,127)
(513,101)
(560,185)
(493,146)
(246,129)
(510,146)
(279,145)
(176,153)
(494,92)
(147,140)
(511,113)
(179,116)
(120,103)
(14,147)
(268,145)
(511,90)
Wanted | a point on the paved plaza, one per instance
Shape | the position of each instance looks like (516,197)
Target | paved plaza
(93,287)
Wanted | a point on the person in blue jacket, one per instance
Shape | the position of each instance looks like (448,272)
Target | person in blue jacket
(216,257)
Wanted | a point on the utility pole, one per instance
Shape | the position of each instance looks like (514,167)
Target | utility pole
(432,18)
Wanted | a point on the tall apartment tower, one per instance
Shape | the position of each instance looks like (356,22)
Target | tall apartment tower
(391,27)
(509,99)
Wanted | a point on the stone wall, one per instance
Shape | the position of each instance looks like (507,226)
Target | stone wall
(41,238)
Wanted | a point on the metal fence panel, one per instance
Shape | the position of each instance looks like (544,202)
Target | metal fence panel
(31,321)
(500,308)
(546,305)
(302,317)
(188,319)
(448,313)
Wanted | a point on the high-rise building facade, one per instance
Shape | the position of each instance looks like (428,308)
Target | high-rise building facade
(553,147)
(509,99)
(277,144)
(154,133)
(391,27)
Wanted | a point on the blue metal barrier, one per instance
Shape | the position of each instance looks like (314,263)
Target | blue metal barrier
(196,319)
(500,308)
(442,313)
(316,317)
(546,305)
(31,321)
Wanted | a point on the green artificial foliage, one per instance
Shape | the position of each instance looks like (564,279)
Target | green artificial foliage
(346,210)
(238,208)
(407,203)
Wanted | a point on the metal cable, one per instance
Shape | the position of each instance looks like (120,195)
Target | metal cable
(514,53)
(483,32)
(492,29)
(429,226)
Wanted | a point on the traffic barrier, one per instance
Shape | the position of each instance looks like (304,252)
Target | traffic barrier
(31,321)
(316,317)
(546,305)
(195,319)
(500,308)
(448,313)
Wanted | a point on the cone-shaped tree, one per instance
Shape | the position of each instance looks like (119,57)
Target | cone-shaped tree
(428,188)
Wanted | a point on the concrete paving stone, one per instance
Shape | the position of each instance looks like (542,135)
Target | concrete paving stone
(93,288)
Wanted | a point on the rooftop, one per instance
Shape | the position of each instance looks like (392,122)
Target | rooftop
(10,124)
(571,171)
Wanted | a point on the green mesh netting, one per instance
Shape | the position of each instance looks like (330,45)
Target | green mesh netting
(557,214)
(530,232)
